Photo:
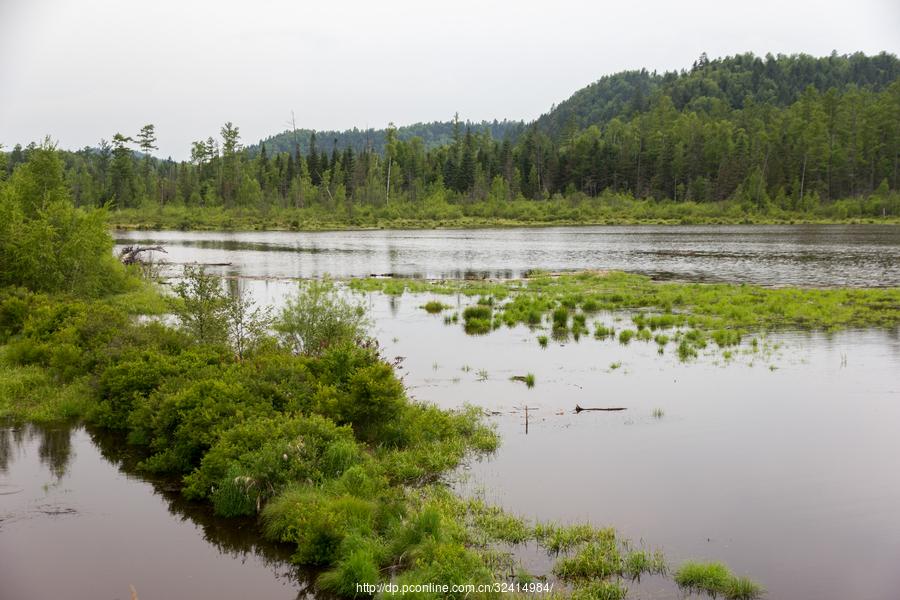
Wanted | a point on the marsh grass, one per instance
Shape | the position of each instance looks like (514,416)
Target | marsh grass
(29,392)
(722,313)
(527,379)
(686,351)
(542,341)
(561,318)
(625,336)
(658,413)
(600,590)
(559,538)
(715,578)
(602,332)
(477,319)
(434,307)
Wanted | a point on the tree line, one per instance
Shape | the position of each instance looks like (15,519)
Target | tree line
(795,152)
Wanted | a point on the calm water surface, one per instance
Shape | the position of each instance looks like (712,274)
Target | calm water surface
(76,523)
(809,255)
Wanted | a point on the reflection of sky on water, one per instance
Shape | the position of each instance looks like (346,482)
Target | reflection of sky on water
(811,255)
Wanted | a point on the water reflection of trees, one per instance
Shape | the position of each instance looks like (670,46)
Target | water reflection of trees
(237,538)
(54,445)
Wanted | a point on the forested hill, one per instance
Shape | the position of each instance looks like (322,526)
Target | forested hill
(716,85)
(792,135)
(432,135)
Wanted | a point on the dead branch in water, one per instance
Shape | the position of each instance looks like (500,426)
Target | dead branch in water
(130,255)
(579,409)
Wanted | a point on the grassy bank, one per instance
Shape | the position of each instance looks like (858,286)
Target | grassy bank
(515,213)
(686,317)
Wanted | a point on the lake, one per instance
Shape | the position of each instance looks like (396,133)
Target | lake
(781,463)
(807,255)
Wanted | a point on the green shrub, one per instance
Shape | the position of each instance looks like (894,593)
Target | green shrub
(318,318)
(272,451)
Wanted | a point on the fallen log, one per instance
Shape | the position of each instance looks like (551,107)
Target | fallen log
(579,409)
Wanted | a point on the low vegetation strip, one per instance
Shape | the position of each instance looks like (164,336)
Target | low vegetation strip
(436,213)
(688,315)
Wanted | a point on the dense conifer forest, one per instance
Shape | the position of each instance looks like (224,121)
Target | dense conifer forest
(742,135)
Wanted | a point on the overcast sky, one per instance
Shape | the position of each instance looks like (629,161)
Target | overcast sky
(81,71)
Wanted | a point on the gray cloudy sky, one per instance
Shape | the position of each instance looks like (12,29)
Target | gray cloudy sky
(79,71)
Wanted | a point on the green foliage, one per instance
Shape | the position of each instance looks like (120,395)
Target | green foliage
(203,305)
(600,590)
(561,318)
(692,314)
(264,454)
(317,318)
(48,245)
(434,307)
(715,578)
(477,319)
(599,559)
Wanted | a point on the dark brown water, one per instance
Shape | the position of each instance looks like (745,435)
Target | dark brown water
(808,255)
(75,524)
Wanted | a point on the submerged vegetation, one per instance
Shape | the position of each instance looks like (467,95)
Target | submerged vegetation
(690,315)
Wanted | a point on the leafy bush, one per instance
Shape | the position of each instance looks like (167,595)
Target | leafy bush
(264,454)
(317,318)
(48,245)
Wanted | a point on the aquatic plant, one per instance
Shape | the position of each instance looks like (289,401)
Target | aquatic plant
(559,538)
(527,379)
(477,312)
(726,337)
(477,319)
(602,331)
(641,562)
(686,351)
(714,578)
(434,307)
(600,590)
(705,307)
(477,326)
(625,336)
(542,341)
(561,318)
(658,413)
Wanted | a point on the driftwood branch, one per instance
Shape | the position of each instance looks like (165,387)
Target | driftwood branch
(130,255)
(579,409)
